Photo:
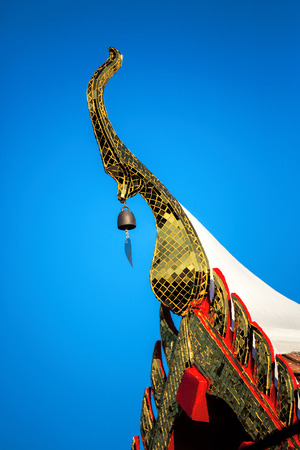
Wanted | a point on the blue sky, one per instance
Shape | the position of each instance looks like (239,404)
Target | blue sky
(208,99)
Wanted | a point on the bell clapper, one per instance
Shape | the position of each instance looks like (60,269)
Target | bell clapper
(126,221)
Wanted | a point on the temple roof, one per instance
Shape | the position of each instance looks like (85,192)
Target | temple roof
(277,315)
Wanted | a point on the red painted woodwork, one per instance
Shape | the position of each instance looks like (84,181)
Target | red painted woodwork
(191,395)
(245,445)
(136,441)
(171,443)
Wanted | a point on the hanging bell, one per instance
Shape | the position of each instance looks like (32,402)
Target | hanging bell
(126,219)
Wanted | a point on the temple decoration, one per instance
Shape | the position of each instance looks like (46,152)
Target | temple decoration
(126,221)
(234,364)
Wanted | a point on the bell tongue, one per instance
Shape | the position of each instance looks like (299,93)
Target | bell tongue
(126,221)
(128,250)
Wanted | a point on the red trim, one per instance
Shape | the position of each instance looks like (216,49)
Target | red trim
(245,444)
(229,334)
(243,305)
(227,341)
(204,306)
(289,370)
(257,394)
(136,441)
(249,364)
(294,381)
(171,445)
(220,274)
(254,324)
(148,399)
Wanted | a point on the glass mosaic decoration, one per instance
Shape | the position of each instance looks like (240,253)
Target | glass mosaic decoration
(219,360)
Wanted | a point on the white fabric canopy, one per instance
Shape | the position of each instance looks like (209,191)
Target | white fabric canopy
(278,316)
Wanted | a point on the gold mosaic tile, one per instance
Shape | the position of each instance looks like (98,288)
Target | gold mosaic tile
(242,332)
(219,309)
(180,270)
(180,280)
(158,376)
(262,362)
(285,393)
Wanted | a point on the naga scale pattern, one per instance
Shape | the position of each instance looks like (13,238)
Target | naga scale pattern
(248,387)
(180,270)
(230,350)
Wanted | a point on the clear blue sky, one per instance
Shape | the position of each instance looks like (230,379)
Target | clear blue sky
(208,99)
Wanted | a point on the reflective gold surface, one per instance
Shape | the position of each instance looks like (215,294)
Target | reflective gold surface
(219,309)
(241,342)
(180,271)
(180,280)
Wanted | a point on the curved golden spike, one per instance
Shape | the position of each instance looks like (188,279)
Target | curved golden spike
(180,271)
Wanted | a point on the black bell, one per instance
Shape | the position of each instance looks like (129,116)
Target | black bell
(126,219)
